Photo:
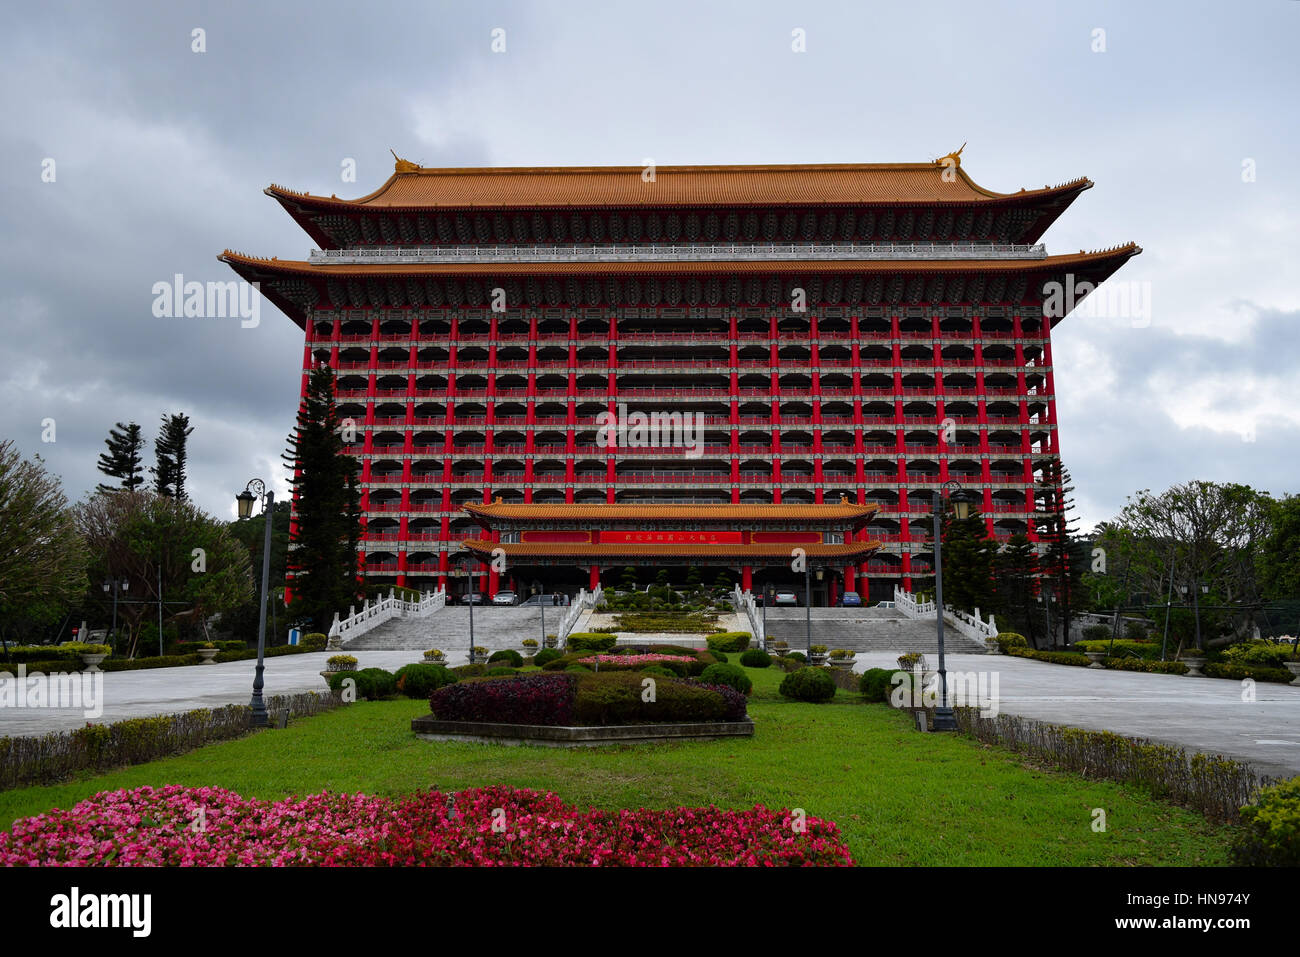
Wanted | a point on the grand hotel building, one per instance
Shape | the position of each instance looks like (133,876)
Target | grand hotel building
(851,335)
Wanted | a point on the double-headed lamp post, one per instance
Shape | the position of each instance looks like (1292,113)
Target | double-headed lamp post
(470,560)
(944,719)
(116,586)
(256,489)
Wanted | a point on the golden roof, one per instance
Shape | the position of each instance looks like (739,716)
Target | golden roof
(415,187)
(838,511)
(625,550)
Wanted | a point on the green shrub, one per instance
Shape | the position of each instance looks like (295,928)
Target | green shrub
(719,657)
(808,684)
(1055,657)
(1136,630)
(729,675)
(1124,647)
(1142,664)
(546,656)
(729,641)
(422,680)
(798,656)
(1257,653)
(577,668)
(756,658)
(372,683)
(313,642)
(617,699)
(1238,672)
(505,654)
(1270,832)
(79,649)
(1009,639)
(476,670)
(590,641)
(1096,633)
(501,672)
(658,671)
(875,684)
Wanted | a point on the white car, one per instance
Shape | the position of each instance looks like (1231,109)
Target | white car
(786,597)
(504,597)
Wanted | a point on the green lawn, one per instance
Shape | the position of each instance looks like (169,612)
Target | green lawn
(899,796)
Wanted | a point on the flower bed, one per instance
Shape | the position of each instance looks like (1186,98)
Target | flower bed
(635,661)
(481,826)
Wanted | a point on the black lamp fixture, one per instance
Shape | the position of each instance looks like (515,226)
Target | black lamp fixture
(962,506)
(254,491)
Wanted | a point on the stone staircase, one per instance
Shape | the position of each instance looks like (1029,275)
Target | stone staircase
(864,630)
(495,628)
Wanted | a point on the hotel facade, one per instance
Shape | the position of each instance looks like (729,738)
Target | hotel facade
(819,347)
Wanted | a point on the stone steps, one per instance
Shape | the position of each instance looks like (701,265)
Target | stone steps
(859,631)
(448,628)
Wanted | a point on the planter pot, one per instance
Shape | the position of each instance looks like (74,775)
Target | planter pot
(816,660)
(435,661)
(92,662)
(1194,665)
(527,652)
(1294,668)
(844,663)
(209,654)
(1094,659)
(552,642)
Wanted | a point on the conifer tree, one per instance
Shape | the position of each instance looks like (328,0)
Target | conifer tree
(1061,563)
(323,550)
(122,460)
(169,473)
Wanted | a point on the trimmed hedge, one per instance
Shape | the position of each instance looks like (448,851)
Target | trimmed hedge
(683,669)
(57,756)
(545,698)
(590,641)
(729,640)
(756,658)
(422,680)
(808,684)
(313,642)
(1256,672)
(876,684)
(1147,650)
(617,699)
(546,656)
(1009,639)
(1257,653)
(729,675)
(1055,657)
(1270,832)
(1141,664)
(371,683)
(505,654)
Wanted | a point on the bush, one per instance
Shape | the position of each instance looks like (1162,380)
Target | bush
(617,699)
(422,680)
(798,656)
(26,654)
(1009,639)
(729,641)
(523,699)
(546,656)
(476,670)
(1256,672)
(1270,832)
(1055,657)
(505,654)
(1150,667)
(876,684)
(1257,653)
(578,668)
(313,642)
(1139,649)
(1096,633)
(1136,630)
(501,672)
(720,657)
(729,675)
(808,684)
(756,658)
(374,683)
(659,671)
(590,641)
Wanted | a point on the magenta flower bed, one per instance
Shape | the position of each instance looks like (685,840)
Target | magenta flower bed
(636,660)
(490,826)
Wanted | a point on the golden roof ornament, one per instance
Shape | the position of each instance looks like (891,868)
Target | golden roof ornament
(402,165)
(955,157)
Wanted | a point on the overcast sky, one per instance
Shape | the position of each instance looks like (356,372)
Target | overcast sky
(161,155)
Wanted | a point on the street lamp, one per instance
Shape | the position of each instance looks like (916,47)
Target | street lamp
(768,591)
(116,587)
(807,600)
(1196,606)
(944,719)
(254,490)
(470,559)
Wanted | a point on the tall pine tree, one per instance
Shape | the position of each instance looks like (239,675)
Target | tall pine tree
(122,460)
(1062,563)
(323,556)
(169,473)
(1015,573)
(968,553)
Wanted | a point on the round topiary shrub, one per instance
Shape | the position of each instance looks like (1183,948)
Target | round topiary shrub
(728,641)
(808,684)
(729,675)
(371,683)
(505,654)
(501,672)
(1009,639)
(578,668)
(313,642)
(590,641)
(876,684)
(1270,828)
(797,656)
(546,655)
(756,658)
(422,680)
(659,671)
(719,657)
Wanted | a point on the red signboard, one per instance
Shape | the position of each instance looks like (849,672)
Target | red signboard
(788,538)
(676,538)
(539,535)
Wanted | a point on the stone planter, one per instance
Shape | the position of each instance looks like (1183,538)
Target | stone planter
(843,663)
(1294,668)
(1194,664)
(528,652)
(816,660)
(209,655)
(551,642)
(1094,659)
(92,662)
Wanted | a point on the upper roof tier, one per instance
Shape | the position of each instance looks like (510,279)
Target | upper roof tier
(599,514)
(415,189)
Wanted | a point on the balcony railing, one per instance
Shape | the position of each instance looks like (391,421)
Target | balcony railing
(677,252)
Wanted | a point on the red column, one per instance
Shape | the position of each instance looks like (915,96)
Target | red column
(594,582)
(746,578)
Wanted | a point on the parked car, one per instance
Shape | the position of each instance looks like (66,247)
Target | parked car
(786,597)
(851,599)
(472,598)
(884,604)
(532,601)
(504,597)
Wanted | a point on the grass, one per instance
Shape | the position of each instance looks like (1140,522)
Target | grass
(900,797)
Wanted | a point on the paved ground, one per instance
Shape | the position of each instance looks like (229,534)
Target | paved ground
(1199,713)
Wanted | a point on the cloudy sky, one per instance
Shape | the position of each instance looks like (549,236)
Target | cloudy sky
(1184,114)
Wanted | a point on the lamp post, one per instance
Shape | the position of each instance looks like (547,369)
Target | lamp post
(254,490)
(807,601)
(944,719)
(1197,590)
(767,597)
(470,559)
(116,586)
